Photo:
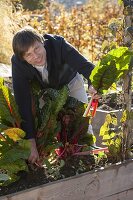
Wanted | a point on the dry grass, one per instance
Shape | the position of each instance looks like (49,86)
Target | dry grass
(10,22)
(5,33)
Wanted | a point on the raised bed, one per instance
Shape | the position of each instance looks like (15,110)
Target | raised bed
(112,183)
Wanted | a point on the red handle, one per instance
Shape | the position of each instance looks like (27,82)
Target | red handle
(94,105)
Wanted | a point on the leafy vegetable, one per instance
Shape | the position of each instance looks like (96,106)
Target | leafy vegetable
(112,137)
(110,68)
(14,150)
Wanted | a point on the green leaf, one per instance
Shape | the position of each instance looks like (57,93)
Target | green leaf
(124,116)
(11,105)
(62,163)
(106,137)
(118,52)
(1,82)
(4,110)
(14,133)
(112,135)
(15,167)
(25,144)
(15,113)
(105,143)
(104,129)
(120,2)
(3,127)
(118,142)
(13,155)
(101,155)
(5,146)
(8,107)
(110,68)
(47,163)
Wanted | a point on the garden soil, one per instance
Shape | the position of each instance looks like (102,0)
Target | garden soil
(38,176)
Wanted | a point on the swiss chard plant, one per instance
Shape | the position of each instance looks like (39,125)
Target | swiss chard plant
(60,130)
(60,125)
(14,150)
(113,66)
(112,136)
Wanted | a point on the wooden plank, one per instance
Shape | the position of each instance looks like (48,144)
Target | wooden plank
(113,182)
(3,198)
(126,195)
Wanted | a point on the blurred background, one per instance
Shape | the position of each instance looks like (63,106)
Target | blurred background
(85,24)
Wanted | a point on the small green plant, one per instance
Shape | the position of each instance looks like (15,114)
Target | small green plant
(101,159)
(112,137)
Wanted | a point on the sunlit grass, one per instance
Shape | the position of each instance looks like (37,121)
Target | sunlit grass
(5,32)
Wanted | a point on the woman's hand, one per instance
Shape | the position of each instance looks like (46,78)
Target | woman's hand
(93,92)
(34,156)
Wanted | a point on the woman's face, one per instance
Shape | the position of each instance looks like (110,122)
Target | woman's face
(36,54)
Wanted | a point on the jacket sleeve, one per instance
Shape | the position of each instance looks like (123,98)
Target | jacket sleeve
(75,59)
(22,95)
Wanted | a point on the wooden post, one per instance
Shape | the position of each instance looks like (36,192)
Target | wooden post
(128,41)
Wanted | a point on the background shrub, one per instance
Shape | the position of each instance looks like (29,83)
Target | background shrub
(86,27)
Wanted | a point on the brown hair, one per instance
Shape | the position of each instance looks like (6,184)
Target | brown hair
(24,39)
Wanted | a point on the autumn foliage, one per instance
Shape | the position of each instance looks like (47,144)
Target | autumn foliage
(86,27)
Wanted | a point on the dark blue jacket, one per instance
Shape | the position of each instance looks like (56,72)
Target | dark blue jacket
(63,62)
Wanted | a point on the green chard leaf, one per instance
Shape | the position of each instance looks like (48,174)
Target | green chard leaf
(110,68)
